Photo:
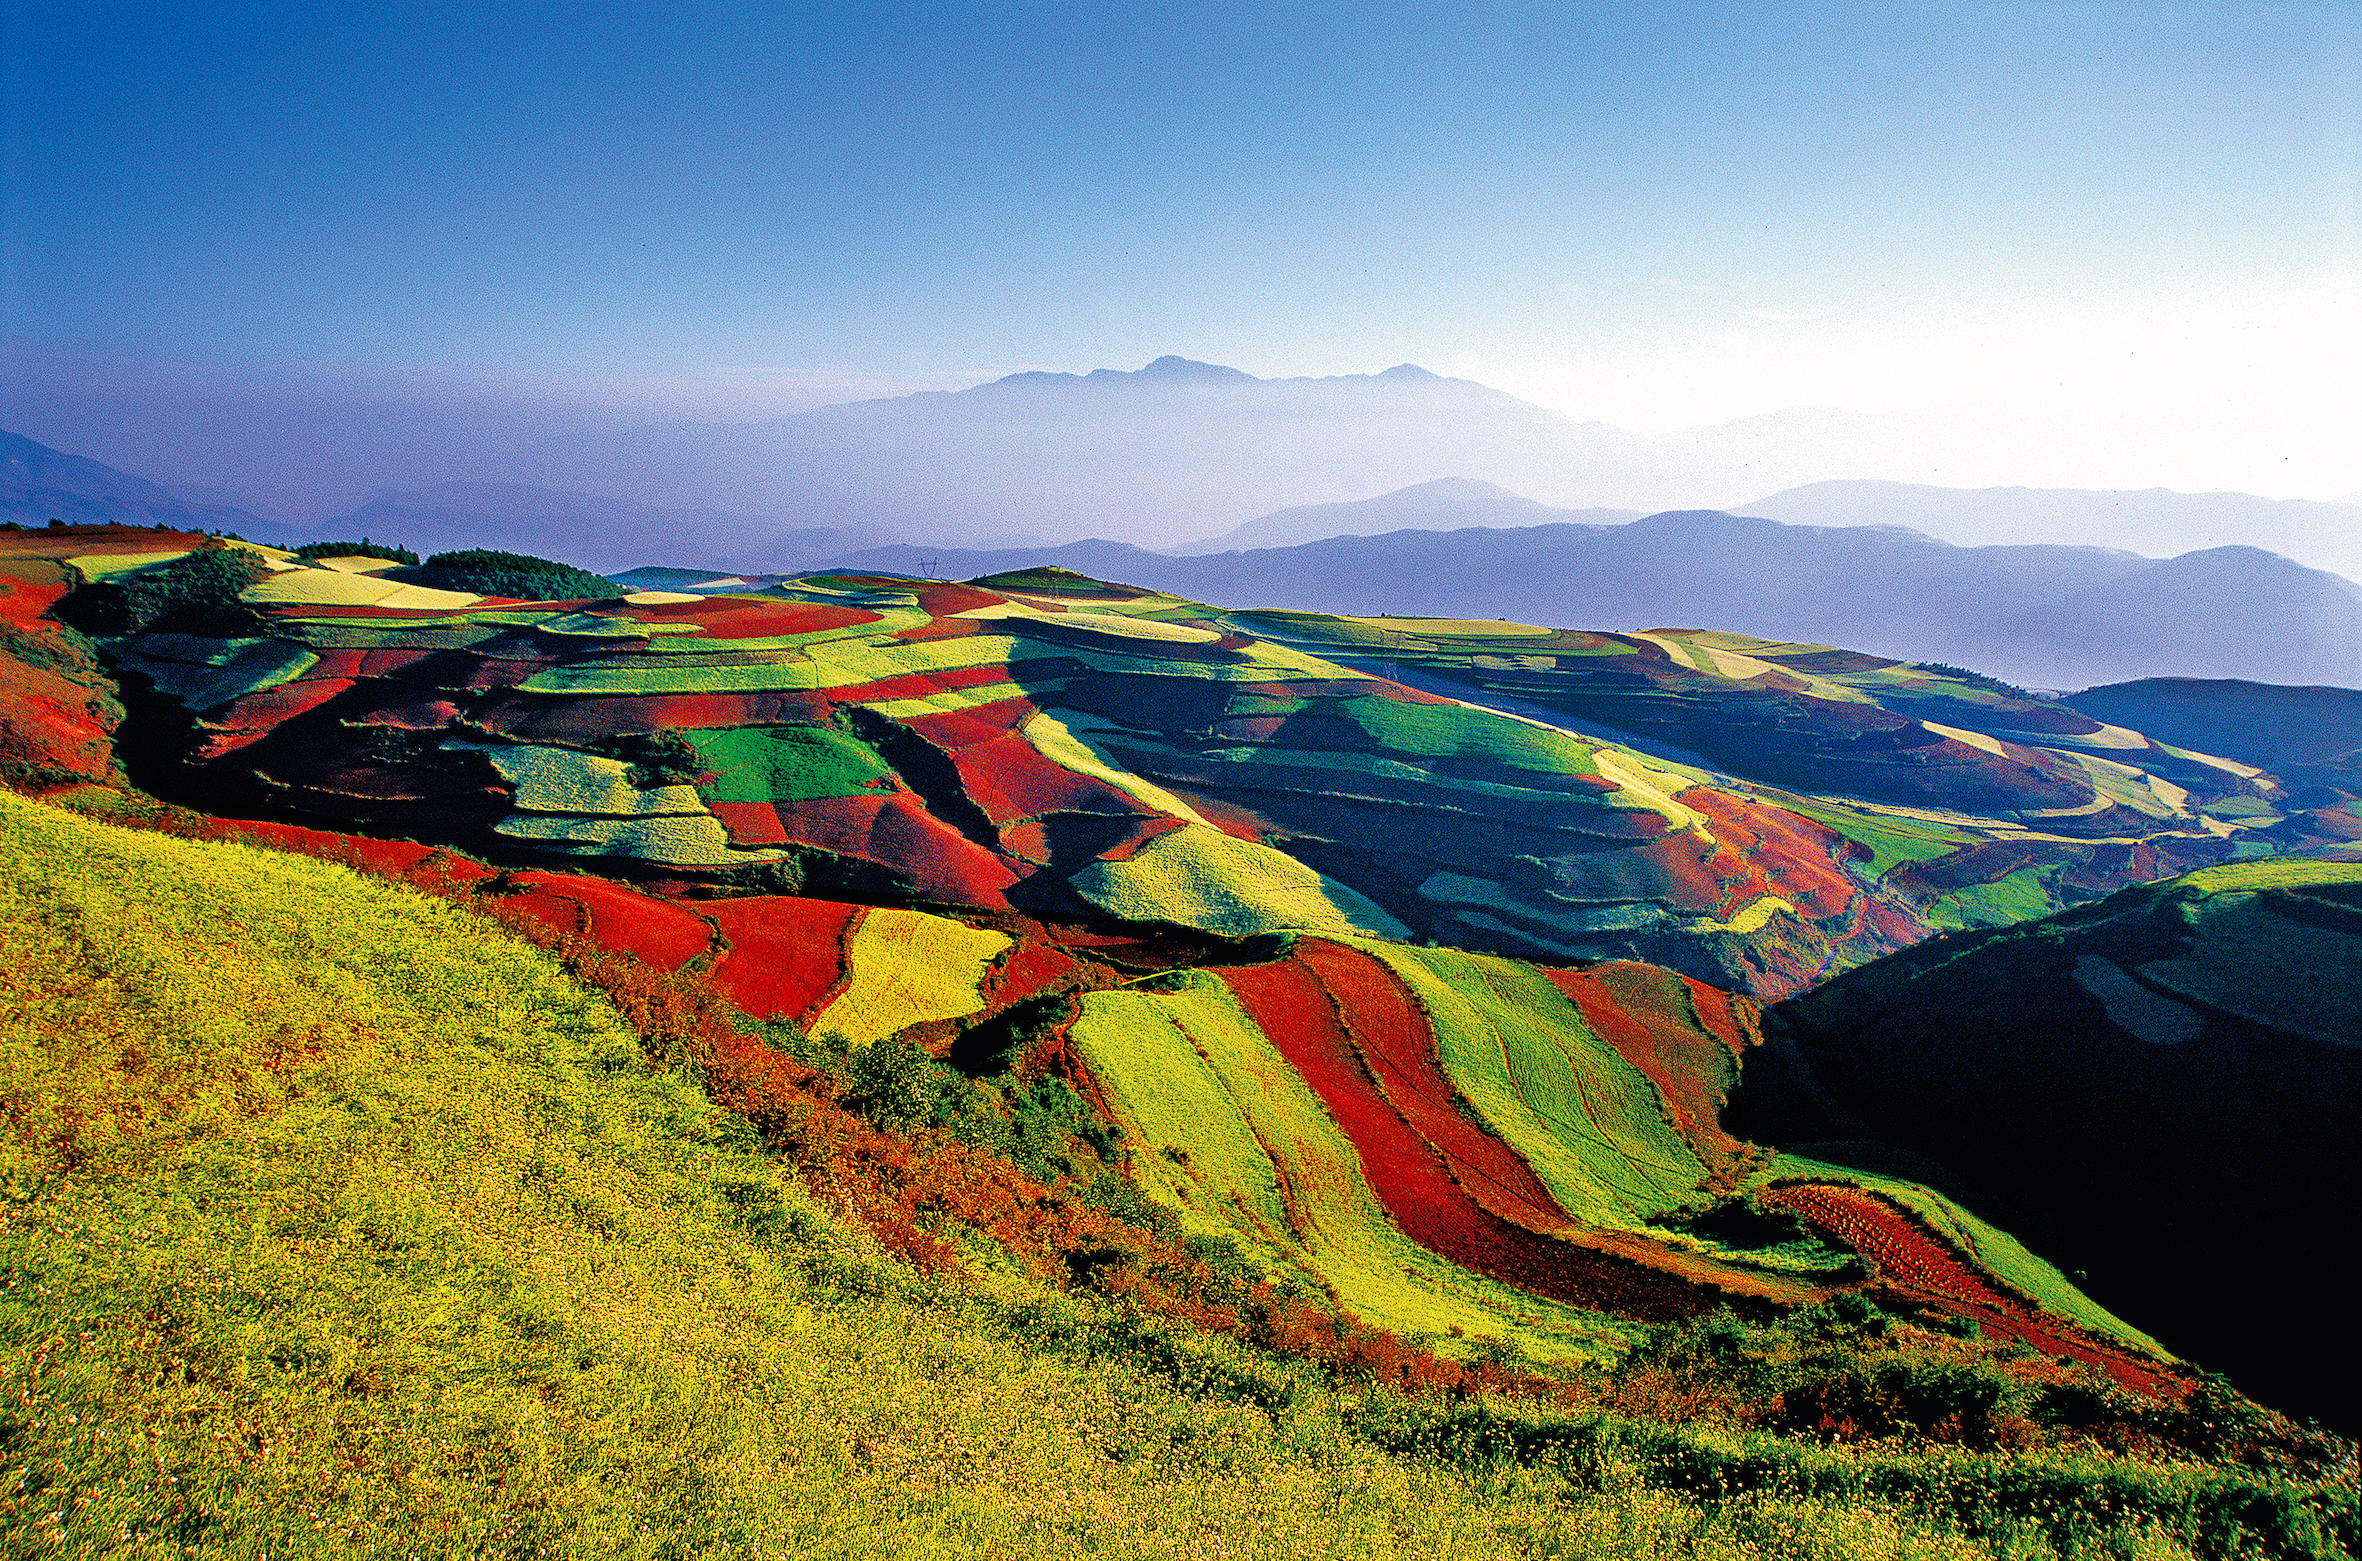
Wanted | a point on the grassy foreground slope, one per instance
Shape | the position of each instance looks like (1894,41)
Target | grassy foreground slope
(382,1234)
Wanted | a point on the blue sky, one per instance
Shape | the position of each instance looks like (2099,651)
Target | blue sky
(1656,214)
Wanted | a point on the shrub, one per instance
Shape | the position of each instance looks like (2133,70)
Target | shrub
(895,1084)
(197,593)
(361,549)
(489,572)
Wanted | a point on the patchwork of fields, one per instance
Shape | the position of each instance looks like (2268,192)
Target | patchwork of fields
(1412,963)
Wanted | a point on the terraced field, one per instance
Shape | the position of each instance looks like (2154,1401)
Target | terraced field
(1057,746)
(1393,958)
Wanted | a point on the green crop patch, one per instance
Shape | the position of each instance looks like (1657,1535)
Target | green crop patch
(2019,896)
(1891,840)
(787,763)
(1459,732)
(1235,1141)
(1589,1123)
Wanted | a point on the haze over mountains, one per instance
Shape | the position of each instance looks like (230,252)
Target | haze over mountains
(1203,480)
(2156,521)
(1446,504)
(2047,617)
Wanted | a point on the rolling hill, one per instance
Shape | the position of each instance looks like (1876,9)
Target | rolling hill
(1323,999)
(2046,617)
(2153,1083)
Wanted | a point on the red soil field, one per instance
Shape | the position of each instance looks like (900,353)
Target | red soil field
(1032,967)
(917,685)
(46,724)
(786,956)
(1911,1259)
(1811,877)
(944,600)
(395,857)
(1397,1047)
(422,715)
(1291,1004)
(1010,779)
(254,716)
(1653,1019)
(895,830)
(30,587)
(614,916)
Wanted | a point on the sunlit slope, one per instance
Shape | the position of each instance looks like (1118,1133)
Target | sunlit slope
(2162,1085)
(381,1235)
(338,1217)
(1977,802)
(1071,749)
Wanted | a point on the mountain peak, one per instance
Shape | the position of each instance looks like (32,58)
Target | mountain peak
(1175,369)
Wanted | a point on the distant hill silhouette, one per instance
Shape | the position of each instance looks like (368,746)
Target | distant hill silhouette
(38,484)
(593,531)
(1446,504)
(2149,520)
(2310,736)
(1169,454)
(2044,617)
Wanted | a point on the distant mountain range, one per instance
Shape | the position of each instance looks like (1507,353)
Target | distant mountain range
(589,530)
(2156,521)
(2046,617)
(1163,456)
(38,484)
(1446,504)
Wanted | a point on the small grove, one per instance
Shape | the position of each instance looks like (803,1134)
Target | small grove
(397,1231)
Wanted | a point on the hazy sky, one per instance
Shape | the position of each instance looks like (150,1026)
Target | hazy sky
(2120,241)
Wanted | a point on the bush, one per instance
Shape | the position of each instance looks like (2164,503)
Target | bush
(520,576)
(197,593)
(895,1084)
(361,549)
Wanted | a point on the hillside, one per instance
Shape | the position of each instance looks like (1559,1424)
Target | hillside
(1310,987)
(1045,745)
(2310,736)
(384,1230)
(2147,1083)
(2153,520)
(2046,617)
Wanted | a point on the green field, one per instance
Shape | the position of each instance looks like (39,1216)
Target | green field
(1228,1134)
(1587,1121)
